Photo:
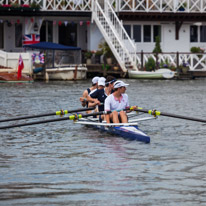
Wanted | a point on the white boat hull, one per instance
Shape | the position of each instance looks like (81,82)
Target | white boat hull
(158,74)
(67,73)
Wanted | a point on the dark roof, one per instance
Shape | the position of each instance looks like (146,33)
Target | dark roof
(50,46)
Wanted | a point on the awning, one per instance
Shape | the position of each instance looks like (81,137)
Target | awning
(50,46)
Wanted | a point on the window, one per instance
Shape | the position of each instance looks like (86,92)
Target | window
(1,35)
(18,35)
(202,33)
(156,32)
(68,34)
(137,33)
(128,29)
(147,33)
(193,34)
(46,31)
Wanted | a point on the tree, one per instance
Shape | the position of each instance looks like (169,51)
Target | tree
(157,48)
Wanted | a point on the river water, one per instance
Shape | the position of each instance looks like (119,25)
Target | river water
(63,163)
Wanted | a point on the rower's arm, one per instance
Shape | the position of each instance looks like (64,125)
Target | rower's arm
(107,117)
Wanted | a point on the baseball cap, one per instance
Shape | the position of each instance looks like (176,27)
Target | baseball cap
(119,84)
(101,81)
(95,80)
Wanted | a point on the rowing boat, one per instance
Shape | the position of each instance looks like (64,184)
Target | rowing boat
(129,131)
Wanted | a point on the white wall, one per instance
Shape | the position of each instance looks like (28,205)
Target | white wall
(170,44)
(94,37)
(11,59)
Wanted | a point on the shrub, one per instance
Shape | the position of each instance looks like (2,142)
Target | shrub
(196,50)
(150,64)
(157,48)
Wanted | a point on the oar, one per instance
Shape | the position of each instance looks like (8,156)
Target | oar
(71,117)
(61,112)
(157,113)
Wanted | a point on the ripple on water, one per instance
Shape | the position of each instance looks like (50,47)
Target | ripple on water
(68,164)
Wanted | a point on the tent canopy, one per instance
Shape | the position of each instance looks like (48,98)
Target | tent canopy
(50,46)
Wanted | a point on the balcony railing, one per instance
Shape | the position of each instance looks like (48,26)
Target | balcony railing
(171,6)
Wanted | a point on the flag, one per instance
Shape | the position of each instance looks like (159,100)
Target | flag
(31,39)
(38,58)
(20,67)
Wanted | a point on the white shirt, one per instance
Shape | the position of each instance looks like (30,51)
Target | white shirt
(112,103)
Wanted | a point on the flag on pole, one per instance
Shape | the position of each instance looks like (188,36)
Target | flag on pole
(20,67)
(31,39)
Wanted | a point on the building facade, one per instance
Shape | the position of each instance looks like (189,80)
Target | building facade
(180,24)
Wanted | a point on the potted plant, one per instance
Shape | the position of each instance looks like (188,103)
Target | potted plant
(107,52)
(98,55)
(197,50)
(88,56)
(35,6)
(184,67)
(150,64)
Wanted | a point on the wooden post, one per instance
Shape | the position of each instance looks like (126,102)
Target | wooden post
(177,59)
(75,73)
(157,66)
(142,59)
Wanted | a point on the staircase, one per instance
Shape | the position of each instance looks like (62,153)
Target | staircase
(122,46)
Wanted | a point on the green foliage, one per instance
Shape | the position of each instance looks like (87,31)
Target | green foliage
(165,63)
(98,53)
(88,54)
(157,48)
(35,5)
(106,50)
(196,50)
(150,64)
(15,5)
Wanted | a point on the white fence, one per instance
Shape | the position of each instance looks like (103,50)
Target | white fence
(174,60)
(10,59)
(174,6)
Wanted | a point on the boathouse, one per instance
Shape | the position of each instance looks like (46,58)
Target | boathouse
(130,27)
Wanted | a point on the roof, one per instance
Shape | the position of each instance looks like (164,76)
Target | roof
(50,46)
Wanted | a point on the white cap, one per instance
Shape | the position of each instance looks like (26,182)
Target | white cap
(101,81)
(119,84)
(95,80)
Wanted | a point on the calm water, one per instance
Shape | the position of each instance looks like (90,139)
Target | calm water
(67,164)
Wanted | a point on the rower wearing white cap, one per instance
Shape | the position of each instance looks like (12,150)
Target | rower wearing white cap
(99,94)
(102,92)
(89,90)
(118,100)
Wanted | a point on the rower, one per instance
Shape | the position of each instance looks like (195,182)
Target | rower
(88,91)
(103,91)
(98,94)
(118,100)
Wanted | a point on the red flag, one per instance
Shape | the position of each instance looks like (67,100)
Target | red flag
(20,67)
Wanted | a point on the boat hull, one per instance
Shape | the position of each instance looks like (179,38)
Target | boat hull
(127,132)
(12,77)
(67,73)
(158,74)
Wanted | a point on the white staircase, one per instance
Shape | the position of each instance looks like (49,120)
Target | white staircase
(115,35)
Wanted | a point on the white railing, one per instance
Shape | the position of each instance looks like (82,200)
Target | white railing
(198,6)
(172,6)
(53,5)
(174,60)
(121,32)
(111,36)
